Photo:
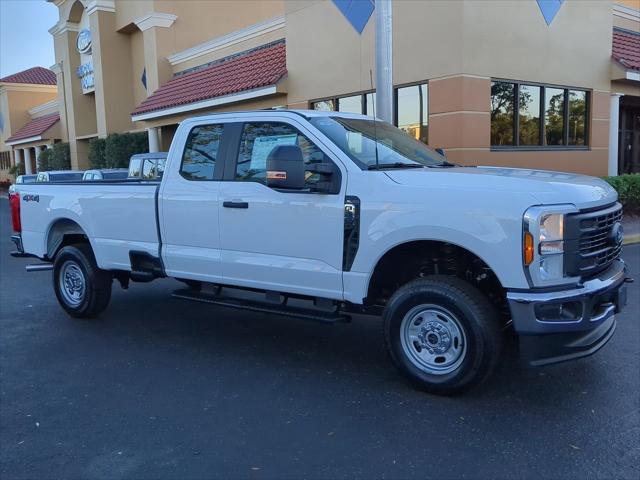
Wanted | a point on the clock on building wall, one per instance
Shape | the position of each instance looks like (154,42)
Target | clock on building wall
(83,42)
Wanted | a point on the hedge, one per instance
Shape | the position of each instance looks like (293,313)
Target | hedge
(628,188)
(120,146)
(60,156)
(97,158)
(45,160)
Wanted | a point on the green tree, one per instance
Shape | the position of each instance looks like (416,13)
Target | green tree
(44,160)
(97,158)
(119,147)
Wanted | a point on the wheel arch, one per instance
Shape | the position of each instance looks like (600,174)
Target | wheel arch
(64,231)
(409,260)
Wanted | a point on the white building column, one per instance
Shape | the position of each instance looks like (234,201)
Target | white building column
(27,161)
(614,128)
(154,139)
(37,149)
(17,156)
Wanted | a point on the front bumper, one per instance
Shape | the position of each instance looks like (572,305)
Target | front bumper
(588,325)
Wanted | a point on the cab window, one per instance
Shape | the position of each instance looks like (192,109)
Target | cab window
(256,143)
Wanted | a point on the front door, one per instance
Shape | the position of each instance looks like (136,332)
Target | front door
(288,241)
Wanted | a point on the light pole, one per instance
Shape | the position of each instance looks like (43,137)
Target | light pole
(384,60)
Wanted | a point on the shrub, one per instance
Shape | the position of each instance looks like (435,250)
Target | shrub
(628,188)
(17,170)
(97,158)
(44,160)
(120,146)
(60,157)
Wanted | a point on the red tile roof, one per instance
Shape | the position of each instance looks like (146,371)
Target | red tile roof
(257,68)
(35,76)
(626,48)
(35,127)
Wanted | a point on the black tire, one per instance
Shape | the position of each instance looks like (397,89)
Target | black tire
(471,310)
(97,283)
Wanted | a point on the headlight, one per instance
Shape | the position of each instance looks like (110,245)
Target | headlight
(543,244)
(551,234)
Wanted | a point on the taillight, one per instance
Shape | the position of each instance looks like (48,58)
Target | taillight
(14,202)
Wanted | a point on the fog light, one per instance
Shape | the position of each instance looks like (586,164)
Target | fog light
(559,312)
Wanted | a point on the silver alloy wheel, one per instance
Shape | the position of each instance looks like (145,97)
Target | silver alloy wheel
(433,339)
(72,283)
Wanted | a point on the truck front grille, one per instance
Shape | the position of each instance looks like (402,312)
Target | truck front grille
(593,240)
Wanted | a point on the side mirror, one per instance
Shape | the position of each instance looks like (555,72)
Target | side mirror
(441,152)
(285,168)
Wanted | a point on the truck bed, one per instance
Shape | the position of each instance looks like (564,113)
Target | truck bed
(117,217)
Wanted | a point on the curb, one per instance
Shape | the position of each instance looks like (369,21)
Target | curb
(631,239)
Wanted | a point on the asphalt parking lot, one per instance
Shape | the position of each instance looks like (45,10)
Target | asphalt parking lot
(159,388)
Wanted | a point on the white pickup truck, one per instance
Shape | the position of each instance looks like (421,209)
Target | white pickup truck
(324,214)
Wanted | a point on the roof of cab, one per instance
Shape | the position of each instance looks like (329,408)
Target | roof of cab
(307,114)
(150,155)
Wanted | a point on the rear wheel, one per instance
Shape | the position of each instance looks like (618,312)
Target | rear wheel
(442,333)
(82,289)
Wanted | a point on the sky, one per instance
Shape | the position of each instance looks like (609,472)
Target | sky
(25,41)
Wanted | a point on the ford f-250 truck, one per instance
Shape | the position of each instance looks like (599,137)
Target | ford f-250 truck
(324,214)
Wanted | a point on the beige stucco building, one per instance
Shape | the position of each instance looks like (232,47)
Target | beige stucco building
(500,82)
(28,118)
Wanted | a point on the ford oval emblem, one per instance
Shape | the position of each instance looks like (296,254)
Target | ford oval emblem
(617,233)
(83,41)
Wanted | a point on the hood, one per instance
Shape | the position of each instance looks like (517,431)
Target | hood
(547,187)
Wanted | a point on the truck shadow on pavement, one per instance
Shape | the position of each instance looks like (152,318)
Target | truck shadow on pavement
(350,356)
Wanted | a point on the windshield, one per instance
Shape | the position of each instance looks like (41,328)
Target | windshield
(396,149)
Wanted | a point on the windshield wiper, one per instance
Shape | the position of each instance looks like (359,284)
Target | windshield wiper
(443,165)
(381,166)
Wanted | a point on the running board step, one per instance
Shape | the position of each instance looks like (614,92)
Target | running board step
(299,312)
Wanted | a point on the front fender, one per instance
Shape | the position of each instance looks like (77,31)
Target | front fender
(494,239)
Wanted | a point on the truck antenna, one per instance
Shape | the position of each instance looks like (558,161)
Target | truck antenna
(375,122)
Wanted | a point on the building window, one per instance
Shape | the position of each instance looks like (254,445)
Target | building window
(351,104)
(411,108)
(200,153)
(502,118)
(577,117)
(325,105)
(5,160)
(549,117)
(529,111)
(361,103)
(554,116)
(412,113)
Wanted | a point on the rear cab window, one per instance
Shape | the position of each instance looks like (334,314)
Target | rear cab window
(135,166)
(201,152)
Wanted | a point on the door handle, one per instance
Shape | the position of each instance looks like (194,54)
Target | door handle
(235,204)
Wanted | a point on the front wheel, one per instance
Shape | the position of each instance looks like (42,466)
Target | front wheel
(82,289)
(442,333)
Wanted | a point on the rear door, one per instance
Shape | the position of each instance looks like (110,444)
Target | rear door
(189,203)
(289,241)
